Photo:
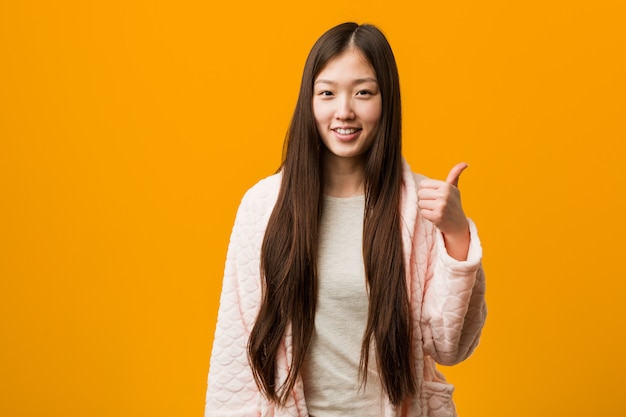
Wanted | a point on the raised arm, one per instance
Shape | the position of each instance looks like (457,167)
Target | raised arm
(453,310)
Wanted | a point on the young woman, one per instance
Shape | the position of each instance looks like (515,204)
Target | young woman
(347,277)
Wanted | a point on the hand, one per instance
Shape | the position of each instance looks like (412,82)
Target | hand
(440,203)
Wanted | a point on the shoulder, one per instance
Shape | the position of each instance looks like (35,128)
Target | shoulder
(269,182)
(418,178)
(261,197)
(264,189)
(410,178)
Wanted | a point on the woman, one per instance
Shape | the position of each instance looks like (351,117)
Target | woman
(347,276)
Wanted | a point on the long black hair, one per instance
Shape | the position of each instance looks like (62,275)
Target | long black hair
(289,251)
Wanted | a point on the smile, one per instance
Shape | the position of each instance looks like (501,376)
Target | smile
(349,131)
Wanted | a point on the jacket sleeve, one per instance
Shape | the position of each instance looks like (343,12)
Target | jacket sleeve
(453,309)
(231,387)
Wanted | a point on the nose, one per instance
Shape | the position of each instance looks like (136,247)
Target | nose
(344,109)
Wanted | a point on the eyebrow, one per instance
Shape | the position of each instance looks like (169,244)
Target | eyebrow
(355,82)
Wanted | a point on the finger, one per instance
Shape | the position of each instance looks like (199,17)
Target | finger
(433,216)
(429,205)
(430,184)
(455,173)
(429,194)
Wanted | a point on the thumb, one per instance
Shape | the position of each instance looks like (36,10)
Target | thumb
(455,173)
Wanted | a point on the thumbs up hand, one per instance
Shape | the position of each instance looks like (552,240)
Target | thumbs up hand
(455,173)
(440,203)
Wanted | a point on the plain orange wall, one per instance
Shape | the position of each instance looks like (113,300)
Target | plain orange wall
(129,130)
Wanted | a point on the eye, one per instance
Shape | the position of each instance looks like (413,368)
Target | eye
(325,93)
(364,93)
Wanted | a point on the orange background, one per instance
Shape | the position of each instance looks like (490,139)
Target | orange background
(129,130)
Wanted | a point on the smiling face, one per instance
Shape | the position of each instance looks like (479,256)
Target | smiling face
(347,106)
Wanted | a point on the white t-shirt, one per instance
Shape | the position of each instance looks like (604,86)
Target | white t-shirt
(331,369)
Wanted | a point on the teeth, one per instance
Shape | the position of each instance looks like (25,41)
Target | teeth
(345,131)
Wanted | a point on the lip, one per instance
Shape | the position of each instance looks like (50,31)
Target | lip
(345,128)
(346,136)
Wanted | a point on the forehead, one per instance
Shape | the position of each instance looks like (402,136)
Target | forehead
(349,65)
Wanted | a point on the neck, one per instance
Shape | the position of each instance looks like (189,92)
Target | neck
(343,177)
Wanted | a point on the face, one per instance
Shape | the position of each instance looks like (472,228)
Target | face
(347,106)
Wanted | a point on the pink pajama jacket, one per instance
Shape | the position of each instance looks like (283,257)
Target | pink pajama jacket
(446,297)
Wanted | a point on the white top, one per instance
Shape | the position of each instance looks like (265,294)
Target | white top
(331,368)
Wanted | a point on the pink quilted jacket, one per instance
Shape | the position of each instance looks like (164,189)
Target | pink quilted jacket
(446,297)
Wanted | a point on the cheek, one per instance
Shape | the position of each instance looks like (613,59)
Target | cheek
(320,113)
(373,113)
(369,110)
